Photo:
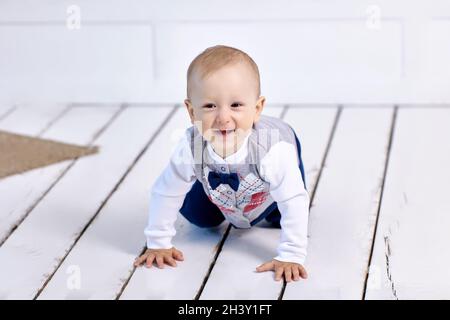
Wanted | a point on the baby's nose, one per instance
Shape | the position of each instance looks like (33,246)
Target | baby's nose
(224,116)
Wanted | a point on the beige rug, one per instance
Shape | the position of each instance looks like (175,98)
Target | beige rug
(20,153)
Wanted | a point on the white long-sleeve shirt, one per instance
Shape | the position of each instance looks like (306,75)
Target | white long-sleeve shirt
(278,168)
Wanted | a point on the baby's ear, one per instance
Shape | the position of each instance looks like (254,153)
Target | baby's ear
(190,109)
(259,107)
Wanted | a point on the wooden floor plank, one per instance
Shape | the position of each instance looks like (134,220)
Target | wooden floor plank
(5,111)
(20,192)
(199,247)
(29,120)
(234,275)
(409,254)
(411,248)
(117,234)
(344,208)
(34,250)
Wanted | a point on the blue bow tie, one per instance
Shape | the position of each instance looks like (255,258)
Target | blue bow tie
(216,178)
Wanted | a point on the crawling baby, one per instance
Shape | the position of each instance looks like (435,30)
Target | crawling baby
(234,164)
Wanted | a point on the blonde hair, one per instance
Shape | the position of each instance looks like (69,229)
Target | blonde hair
(216,57)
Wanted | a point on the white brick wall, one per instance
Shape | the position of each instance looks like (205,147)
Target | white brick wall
(308,51)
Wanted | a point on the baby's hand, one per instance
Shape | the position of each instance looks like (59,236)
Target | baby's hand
(161,256)
(289,269)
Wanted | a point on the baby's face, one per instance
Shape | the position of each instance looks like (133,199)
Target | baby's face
(224,106)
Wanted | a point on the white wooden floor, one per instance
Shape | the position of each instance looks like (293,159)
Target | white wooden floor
(379,178)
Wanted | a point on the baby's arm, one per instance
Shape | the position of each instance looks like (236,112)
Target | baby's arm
(280,168)
(167,196)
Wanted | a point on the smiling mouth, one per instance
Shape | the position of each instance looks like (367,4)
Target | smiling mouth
(225,132)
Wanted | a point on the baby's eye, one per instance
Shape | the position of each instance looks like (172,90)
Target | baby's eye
(209,106)
(236,104)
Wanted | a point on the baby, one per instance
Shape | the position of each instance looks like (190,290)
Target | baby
(233,164)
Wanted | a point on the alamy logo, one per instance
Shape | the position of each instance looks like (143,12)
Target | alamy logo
(73,20)
(373,20)
(74,278)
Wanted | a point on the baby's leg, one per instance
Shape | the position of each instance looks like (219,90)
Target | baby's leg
(274,217)
(199,210)
(271,214)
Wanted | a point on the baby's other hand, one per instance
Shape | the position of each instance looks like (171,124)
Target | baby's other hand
(161,256)
(290,270)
